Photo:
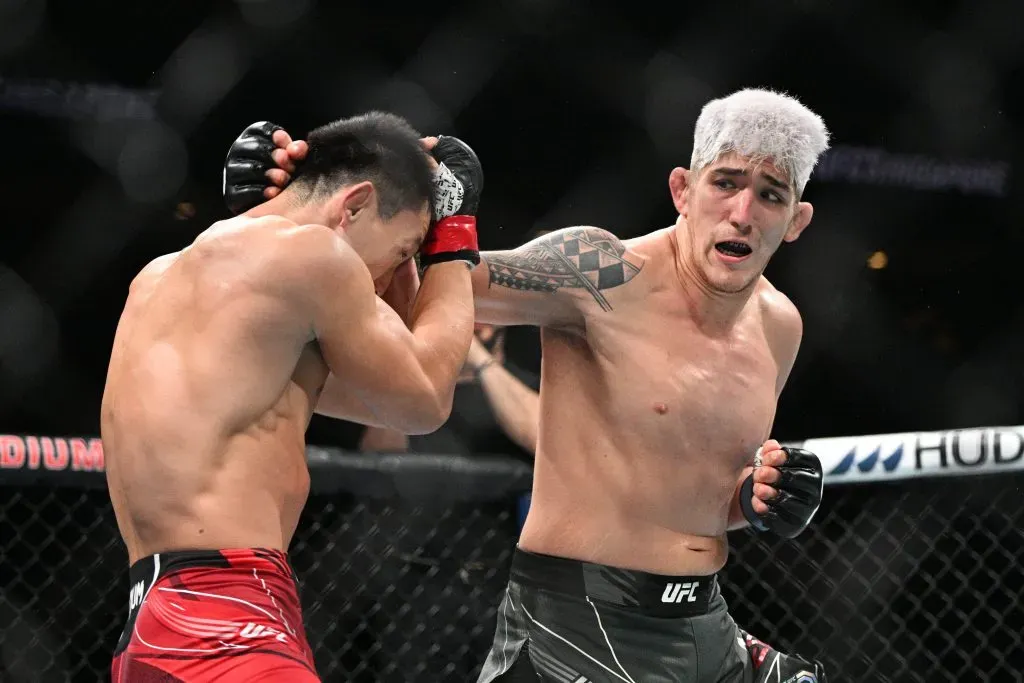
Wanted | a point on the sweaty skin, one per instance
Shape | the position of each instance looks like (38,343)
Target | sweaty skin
(203,416)
(649,419)
(217,365)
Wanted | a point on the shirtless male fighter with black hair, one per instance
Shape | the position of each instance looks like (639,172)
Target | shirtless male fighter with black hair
(219,359)
(663,361)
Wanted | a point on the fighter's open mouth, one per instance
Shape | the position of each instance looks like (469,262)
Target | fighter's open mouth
(734,248)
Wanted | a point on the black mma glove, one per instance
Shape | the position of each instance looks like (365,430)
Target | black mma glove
(800,488)
(246,166)
(458,182)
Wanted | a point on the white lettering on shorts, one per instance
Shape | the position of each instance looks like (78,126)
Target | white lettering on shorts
(252,630)
(135,595)
(675,592)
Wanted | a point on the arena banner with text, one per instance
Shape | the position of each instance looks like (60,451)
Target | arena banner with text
(51,453)
(846,459)
(883,457)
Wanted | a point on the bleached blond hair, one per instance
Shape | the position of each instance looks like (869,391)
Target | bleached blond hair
(762,125)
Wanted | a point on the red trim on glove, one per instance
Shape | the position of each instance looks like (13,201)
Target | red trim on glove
(454,233)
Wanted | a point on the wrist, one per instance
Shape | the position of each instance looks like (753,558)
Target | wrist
(449,266)
(452,239)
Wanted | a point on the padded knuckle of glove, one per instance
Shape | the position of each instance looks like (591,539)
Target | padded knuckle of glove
(263,129)
(245,168)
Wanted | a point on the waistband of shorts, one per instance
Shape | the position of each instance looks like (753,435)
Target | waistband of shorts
(646,593)
(150,569)
(235,563)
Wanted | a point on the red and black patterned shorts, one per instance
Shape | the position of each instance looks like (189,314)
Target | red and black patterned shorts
(213,615)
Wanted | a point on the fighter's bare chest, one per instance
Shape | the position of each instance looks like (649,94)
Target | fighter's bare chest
(713,392)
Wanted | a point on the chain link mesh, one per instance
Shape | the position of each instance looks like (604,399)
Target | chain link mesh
(916,581)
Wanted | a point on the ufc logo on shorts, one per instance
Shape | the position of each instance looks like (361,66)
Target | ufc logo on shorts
(252,630)
(675,592)
(135,596)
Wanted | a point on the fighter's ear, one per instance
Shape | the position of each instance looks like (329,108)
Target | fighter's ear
(678,183)
(801,219)
(356,200)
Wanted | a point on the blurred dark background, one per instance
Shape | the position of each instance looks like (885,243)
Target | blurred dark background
(116,117)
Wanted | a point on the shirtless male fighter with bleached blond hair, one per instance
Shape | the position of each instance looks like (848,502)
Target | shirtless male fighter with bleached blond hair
(663,361)
(219,359)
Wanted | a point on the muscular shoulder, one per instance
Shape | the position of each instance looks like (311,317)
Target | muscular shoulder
(782,319)
(266,237)
(152,271)
(274,259)
(583,260)
(275,250)
(783,327)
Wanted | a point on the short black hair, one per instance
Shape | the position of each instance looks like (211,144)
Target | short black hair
(376,146)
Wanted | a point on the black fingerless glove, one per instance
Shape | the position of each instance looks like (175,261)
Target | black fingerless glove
(800,489)
(245,168)
(457,186)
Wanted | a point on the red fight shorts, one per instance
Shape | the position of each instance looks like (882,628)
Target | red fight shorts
(213,615)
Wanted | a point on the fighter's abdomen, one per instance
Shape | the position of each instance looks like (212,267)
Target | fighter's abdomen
(641,449)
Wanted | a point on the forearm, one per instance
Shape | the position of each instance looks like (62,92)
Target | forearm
(505,293)
(382,440)
(441,322)
(495,304)
(736,518)
(342,403)
(516,406)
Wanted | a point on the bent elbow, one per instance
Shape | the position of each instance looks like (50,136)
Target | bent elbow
(433,411)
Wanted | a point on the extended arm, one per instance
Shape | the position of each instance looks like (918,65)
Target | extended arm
(552,280)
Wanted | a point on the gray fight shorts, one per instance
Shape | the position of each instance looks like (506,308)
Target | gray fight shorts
(577,622)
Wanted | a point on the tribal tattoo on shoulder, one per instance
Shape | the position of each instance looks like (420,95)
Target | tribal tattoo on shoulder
(578,258)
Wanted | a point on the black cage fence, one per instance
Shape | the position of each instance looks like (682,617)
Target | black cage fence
(402,561)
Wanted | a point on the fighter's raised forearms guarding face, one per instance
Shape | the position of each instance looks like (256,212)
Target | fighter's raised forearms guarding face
(551,281)
(402,377)
(425,316)
(387,369)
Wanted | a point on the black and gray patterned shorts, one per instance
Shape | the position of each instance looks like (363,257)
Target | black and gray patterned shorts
(577,622)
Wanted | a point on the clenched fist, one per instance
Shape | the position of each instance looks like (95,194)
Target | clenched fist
(784,491)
